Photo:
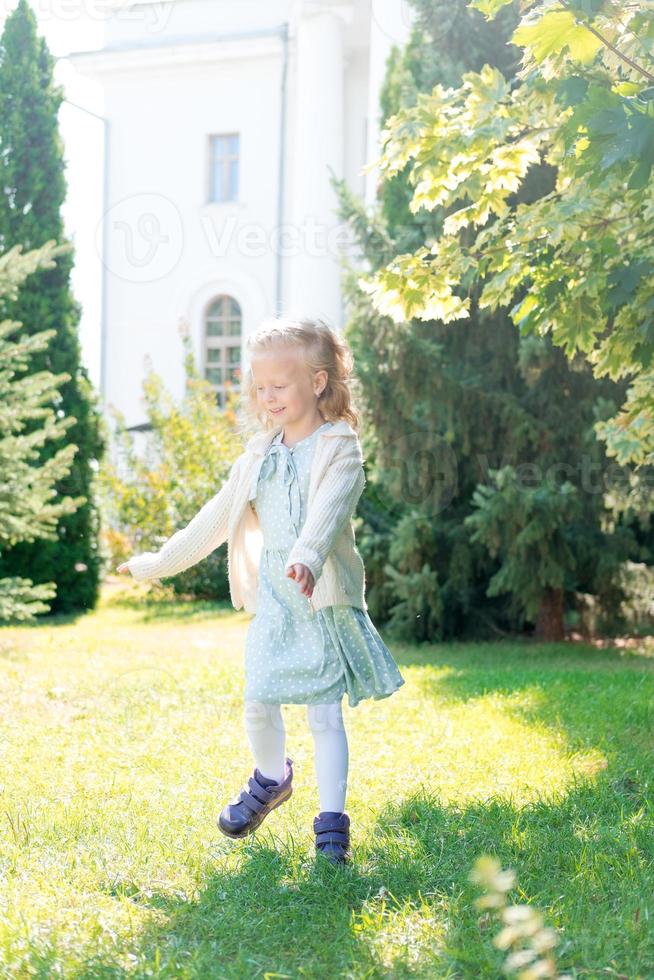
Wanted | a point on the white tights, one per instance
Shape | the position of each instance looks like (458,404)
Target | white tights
(266,732)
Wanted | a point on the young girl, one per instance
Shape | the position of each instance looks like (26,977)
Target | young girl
(285,512)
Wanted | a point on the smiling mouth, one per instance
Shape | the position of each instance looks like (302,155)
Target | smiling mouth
(276,411)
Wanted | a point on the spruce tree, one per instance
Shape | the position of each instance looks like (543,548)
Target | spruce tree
(27,511)
(478,398)
(32,191)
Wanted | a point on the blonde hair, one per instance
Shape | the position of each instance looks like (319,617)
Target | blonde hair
(322,350)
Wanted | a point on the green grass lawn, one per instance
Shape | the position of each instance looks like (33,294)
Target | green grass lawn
(122,737)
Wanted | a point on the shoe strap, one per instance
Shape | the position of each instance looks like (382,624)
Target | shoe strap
(262,793)
(332,837)
(331,823)
(251,801)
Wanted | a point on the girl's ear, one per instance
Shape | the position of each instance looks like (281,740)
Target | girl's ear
(323,377)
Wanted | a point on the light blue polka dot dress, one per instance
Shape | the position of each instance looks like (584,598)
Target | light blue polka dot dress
(291,654)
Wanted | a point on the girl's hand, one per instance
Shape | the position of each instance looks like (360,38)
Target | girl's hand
(123,568)
(304,576)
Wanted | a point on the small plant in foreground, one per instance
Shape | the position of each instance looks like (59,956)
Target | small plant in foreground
(531,942)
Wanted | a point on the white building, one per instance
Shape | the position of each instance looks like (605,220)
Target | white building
(222,121)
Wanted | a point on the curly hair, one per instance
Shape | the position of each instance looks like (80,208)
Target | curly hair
(322,350)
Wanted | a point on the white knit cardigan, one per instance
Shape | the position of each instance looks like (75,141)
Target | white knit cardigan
(326,543)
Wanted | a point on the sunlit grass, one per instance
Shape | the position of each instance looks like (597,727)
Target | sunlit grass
(122,737)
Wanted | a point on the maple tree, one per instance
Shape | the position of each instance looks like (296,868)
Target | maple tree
(575,263)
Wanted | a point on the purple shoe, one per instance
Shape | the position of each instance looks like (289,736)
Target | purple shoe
(332,832)
(254,803)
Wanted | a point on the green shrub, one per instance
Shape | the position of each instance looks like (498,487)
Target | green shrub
(189,451)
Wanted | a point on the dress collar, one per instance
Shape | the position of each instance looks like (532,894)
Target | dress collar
(278,438)
(260,442)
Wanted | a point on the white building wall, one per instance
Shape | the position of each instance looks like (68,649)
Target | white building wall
(175,72)
(167,246)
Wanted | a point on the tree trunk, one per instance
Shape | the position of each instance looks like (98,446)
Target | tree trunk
(549,624)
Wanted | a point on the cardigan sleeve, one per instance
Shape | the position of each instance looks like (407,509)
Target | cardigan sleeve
(206,532)
(333,505)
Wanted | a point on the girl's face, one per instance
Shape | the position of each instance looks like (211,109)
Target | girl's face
(284,387)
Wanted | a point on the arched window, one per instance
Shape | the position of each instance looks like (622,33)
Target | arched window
(222,345)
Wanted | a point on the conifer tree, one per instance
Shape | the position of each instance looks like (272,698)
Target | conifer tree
(480,399)
(27,511)
(32,191)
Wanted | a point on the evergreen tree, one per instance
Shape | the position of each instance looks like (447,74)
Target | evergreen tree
(27,512)
(33,189)
(480,399)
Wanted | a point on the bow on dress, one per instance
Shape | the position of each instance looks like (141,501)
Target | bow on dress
(279,459)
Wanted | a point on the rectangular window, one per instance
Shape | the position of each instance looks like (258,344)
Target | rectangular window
(223,167)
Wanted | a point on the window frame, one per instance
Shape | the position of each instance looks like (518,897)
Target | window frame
(229,314)
(227,159)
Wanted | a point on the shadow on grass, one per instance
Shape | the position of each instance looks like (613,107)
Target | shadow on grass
(597,698)
(185,610)
(147,610)
(517,653)
(50,620)
(405,906)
